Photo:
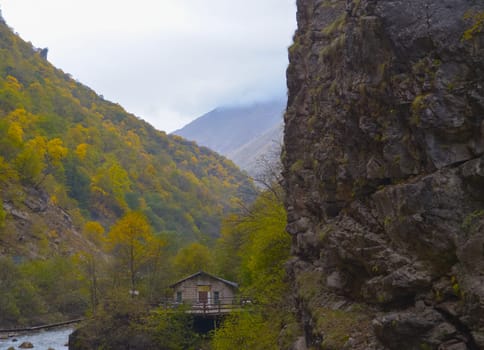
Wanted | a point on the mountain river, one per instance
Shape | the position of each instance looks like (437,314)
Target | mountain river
(50,339)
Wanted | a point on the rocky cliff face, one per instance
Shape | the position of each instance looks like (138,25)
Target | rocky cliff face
(34,227)
(384,173)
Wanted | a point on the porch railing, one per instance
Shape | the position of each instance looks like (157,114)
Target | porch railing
(212,306)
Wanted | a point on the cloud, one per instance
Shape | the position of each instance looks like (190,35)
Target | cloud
(167,61)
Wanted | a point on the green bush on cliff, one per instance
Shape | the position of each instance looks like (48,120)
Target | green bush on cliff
(477,24)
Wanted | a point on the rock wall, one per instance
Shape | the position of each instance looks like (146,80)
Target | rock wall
(36,228)
(384,173)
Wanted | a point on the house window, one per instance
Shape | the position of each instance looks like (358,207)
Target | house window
(178,297)
(216,297)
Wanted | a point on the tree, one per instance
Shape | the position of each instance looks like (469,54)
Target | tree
(171,329)
(94,232)
(156,275)
(30,162)
(192,258)
(9,310)
(58,281)
(129,240)
(3,215)
(77,181)
(246,331)
(229,248)
(109,187)
(19,297)
(55,152)
(257,246)
(81,150)
(11,94)
(40,157)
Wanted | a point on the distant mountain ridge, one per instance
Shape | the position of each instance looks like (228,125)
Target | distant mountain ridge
(241,133)
(264,147)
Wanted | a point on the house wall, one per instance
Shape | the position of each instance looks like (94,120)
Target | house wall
(191,287)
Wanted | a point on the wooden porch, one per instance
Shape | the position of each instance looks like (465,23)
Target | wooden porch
(222,306)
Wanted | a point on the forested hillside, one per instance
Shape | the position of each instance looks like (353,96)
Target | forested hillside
(63,146)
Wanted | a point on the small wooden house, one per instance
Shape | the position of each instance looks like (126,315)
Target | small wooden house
(204,289)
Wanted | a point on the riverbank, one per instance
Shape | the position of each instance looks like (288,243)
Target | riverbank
(56,338)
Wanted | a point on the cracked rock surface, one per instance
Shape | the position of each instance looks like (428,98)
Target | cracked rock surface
(384,173)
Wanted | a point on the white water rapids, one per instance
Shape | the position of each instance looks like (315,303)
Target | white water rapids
(55,339)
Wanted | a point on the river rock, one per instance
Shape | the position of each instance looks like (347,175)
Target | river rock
(26,345)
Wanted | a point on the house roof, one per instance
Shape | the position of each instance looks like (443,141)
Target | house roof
(199,273)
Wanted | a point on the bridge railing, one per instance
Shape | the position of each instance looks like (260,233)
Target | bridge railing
(212,306)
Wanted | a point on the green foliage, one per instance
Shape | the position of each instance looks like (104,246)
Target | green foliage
(130,240)
(49,289)
(309,284)
(58,282)
(470,220)
(477,24)
(170,329)
(127,324)
(30,161)
(246,331)
(418,105)
(193,258)
(253,248)
(9,309)
(336,26)
(111,327)
(337,325)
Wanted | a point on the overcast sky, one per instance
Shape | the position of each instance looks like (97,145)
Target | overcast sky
(167,61)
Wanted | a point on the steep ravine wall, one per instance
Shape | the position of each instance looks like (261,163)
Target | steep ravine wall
(36,228)
(384,174)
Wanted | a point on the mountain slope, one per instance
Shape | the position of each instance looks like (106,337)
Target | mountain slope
(266,146)
(95,160)
(230,130)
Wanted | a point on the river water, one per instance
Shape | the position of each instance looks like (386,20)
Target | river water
(42,340)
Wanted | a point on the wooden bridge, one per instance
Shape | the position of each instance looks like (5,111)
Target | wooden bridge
(5,333)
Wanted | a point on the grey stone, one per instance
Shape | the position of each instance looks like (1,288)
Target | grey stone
(300,344)
(386,101)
